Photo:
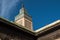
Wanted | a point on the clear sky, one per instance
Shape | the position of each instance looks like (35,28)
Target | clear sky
(43,12)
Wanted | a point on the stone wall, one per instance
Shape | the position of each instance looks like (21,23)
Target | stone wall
(51,36)
(8,32)
(9,37)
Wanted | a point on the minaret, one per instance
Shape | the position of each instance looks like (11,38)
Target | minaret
(24,19)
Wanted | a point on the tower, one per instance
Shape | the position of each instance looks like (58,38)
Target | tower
(24,19)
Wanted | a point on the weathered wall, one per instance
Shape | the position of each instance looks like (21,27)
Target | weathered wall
(14,37)
(51,36)
(8,32)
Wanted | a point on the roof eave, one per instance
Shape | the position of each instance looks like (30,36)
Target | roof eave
(47,27)
(17,26)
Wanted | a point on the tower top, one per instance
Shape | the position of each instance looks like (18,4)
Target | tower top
(23,18)
(23,12)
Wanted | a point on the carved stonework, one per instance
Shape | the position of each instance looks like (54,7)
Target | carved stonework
(52,36)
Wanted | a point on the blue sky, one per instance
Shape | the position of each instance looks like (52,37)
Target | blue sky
(43,12)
